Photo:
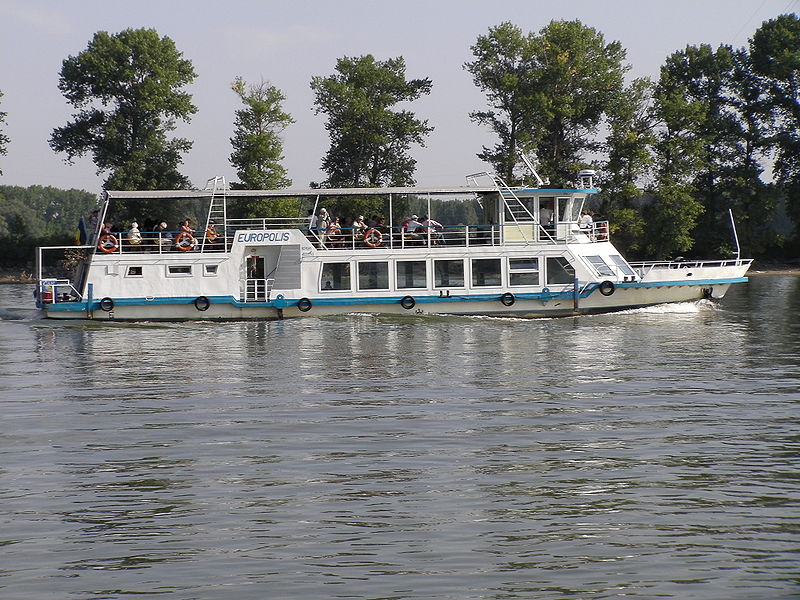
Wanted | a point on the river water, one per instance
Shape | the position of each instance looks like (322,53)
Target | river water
(648,454)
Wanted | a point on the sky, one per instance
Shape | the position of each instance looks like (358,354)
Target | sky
(287,42)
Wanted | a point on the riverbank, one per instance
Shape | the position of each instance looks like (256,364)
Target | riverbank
(9,275)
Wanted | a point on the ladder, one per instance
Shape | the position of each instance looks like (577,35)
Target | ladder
(514,206)
(217,210)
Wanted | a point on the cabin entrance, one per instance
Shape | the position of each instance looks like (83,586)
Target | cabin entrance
(255,283)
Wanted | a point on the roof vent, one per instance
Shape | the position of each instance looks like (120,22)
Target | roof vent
(586,178)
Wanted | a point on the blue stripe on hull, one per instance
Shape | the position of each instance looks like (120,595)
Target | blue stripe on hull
(281,302)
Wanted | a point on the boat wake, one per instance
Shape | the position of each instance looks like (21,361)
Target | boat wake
(19,314)
(678,308)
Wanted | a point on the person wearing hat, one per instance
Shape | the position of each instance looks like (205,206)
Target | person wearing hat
(134,236)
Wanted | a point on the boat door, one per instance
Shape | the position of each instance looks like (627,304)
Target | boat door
(255,288)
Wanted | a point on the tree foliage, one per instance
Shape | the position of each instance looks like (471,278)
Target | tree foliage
(548,93)
(3,137)
(257,143)
(127,92)
(38,215)
(370,139)
(775,55)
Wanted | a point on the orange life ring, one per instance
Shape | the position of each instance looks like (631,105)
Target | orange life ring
(107,243)
(373,237)
(185,241)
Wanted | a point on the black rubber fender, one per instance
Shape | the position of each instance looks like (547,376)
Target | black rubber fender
(408,302)
(507,299)
(304,304)
(202,303)
(107,304)
(607,288)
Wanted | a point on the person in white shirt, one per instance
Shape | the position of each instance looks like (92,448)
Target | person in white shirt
(586,221)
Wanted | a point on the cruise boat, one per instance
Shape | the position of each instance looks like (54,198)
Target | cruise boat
(531,254)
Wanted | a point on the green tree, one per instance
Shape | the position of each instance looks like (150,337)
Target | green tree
(258,150)
(710,102)
(127,91)
(548,93)
(3,137)
(502,70)
(775,55)
(257,145)
(629,161)
(370,141)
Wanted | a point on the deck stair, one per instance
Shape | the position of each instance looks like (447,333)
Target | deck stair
(217,210)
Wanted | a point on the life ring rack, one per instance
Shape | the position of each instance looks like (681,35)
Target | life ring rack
(373,238)
(185,241)
(107,243)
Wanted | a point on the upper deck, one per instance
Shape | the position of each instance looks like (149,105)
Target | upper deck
(507,216)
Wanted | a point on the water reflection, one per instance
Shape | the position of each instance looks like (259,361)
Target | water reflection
(647,454)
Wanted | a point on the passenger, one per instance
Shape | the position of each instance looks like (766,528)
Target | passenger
(161,235)
(546,216)
(586,221)
(359,228)
(323,222)
(333,234)
(412,229)
(434,229)
(135,236)
(185,239)
(212,235)
(94,222)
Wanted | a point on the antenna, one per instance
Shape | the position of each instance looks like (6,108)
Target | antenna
(530,167)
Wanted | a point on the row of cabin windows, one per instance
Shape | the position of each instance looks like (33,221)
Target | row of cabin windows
(174,271)
(413,274)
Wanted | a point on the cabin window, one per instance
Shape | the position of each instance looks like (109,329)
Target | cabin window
(448,273)
(411,274)
(134,272)
(600,265)
(622,265)
(335,276)
(373,275)
(179,270)
(486,272)
(559,270)
(210,270)
(523,271)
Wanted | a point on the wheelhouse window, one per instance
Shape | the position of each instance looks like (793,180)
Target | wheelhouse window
(486,272)
(448,273)
(600,265)
(622,265)
(335,276)
(179,270)
(523,271)
(559,270)
(134,272)
(373,275)
(411,274)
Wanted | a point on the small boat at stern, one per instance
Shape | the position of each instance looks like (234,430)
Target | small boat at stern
(531,253)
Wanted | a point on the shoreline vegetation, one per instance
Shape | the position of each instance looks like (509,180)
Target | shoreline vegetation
(20,275)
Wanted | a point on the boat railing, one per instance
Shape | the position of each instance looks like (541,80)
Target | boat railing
(398,237)
(258,290)
(53,291)
(645,267)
